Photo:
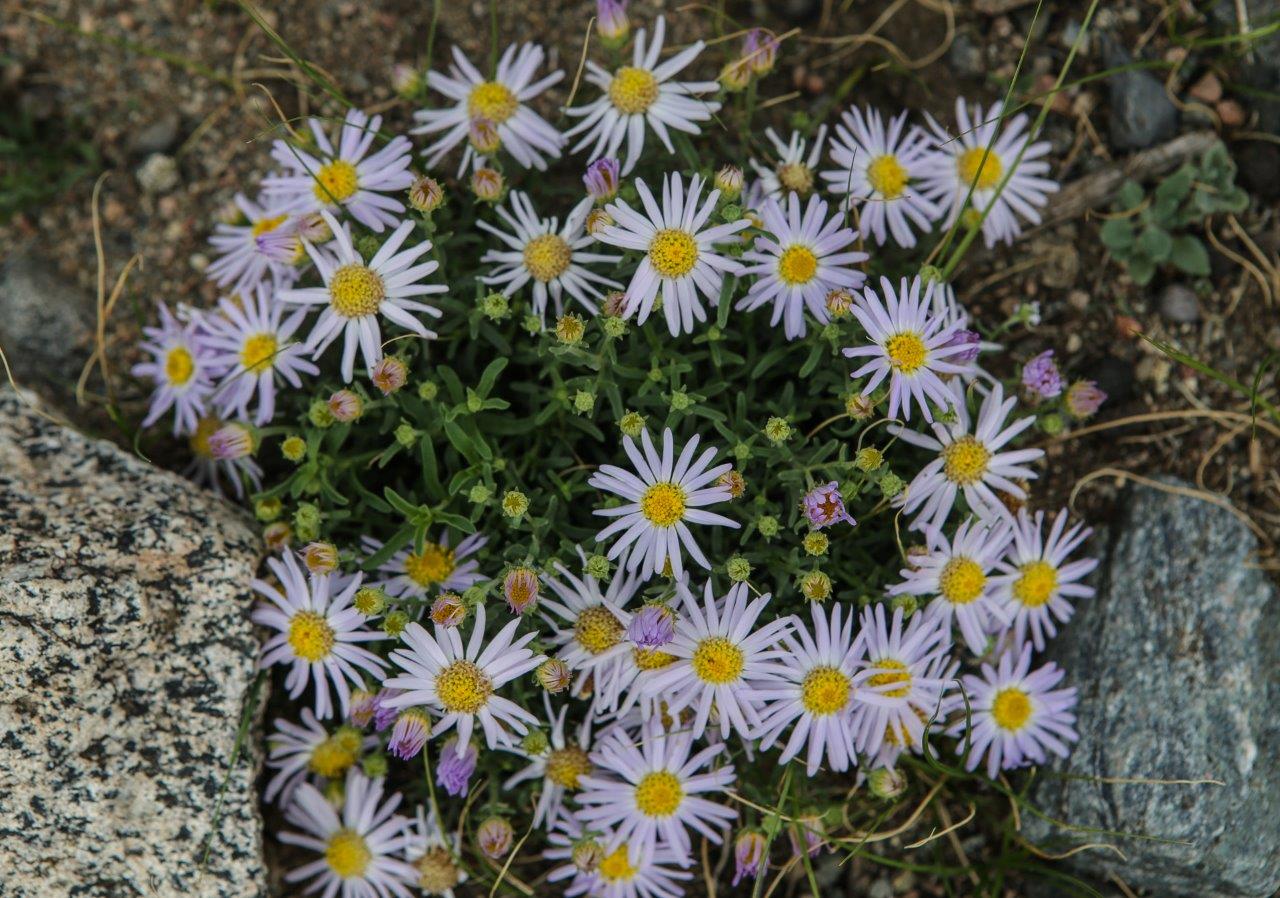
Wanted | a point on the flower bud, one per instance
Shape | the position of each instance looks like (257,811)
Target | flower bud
(768,526)
(587,855)
(454,769)
(293,448)
(601,179)
(869,459)
(738,569)
(410,733)
(729,182)
(570,328)
(597,221)
(535,742)
(394,623)
(554,675)
(748,855)
(231,441)
(632,424)
(487,184)
(405,434)
(735,76)
(520,588)
(267,510)
(514,504)
(597,566)
(375,766)
(389,375)
(816,586)
(319,415)
(615,301)
(345,406)
(426,195)
(483,136)
(839,303)
(859,407)
(320,558)
(652,627)
(495,306)
(406,80)
(370,601)
(760,50)
(1084,399)
(494,836)
(448,610)
(361,707)
(816,543)
(306,521)
(584,402)
(277,536)
(734,482)
(611,21)
(886,783)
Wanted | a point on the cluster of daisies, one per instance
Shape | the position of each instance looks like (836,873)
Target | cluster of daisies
(660,677)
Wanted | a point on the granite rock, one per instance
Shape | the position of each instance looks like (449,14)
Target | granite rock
(1177,660)
(126,658)
(1142,114)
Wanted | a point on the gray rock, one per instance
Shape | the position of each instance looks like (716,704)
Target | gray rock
(46,326)
(965,56)
(125,659)
(158,136)
(158,174)
(1142,114)
(1179,303)
(1177,661)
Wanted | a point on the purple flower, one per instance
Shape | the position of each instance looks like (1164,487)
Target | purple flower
(760,50)
(1084,398)
(383,716)
(601,179)
(748,855)
(230,442)
(363,704)
(652,627)
(454,770)
(811,831)
(965,338)
(824,506)
(1041,376)
(412,728)
(611,20)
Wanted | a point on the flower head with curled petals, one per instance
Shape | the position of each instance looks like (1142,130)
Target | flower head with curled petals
(245,261)
(793,171)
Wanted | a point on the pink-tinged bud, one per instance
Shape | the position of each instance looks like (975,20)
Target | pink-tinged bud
(487,184)
(346,406)
(587,855)
(615,301)
(410,733)
(230,442)
(1084,398)
(839,303)
(554,675)
(735,75)
(320,558)
(405,79)
(389,375)
(454,769)
(811,829)
(597,221)
(611,21)
(494,836)
(277,536)
(729,182)
(653,627)
(760,50)
(824,506)
(426,195)
(314,229)
(448,610)
(483,135)
(520,588)
(363,704)
(383,716)
(1041,377)
(734,482)
(748,855)
(969,339)
(601,179)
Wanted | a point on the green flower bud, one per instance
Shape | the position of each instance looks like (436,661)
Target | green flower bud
(535,742)
(632,424)
(738,569)
(514,504)
(370,601)
(406,435)
(777,430)
(427,390)
(374,766)
(742,452)
(886,783)
(306,522)
(480,494)
(816,543)
(1052,424)
(908,604)
(597,566)
(680,401)
(394,623)
(891,484)
(293,448)
(368,245)
(869,459)
(267,510)
(614,328)
(816,586)
(570,329)
(584,402)
(768,526)
(532,324)
(495,306)
(319,415)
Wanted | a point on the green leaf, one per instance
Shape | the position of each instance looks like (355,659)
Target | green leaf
(399,503)
(1177,185)
(1117,233)
(456,521)
(398,540)
(1155,243)
(1129,196)
(490,376)
(1189,255)
(1142,270)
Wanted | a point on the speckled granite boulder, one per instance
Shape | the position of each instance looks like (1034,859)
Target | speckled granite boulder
(1178,664)
(125,659)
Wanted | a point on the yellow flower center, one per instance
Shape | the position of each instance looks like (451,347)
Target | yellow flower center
(547,257)
(1036,584)
(493,101)
(1011,708)
(335,182)
(264,225)
(673,252)
(633,91)
(895,672)
(463,688)
(356,291)
(796,177)
(347,854)
(597,630)
(617,866)
(906,352)
(436,871)
(179,366)
(258,352)
(658,794)
(199,441)
(652,659)
(961,581)
(565,765)
(434,564)
(333,756)
(716,660)
(965,461)
(887,177)
(797,265)
(663,504)
(825,690)
(980,168)
(310,636)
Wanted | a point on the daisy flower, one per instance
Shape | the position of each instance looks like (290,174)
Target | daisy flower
(242,261)
(503,101)
(432,856)
(1018,717)
(559,769)
(179,368)
(799,262)
(662,498)
(978,159)
(551,256)
(902,686)
(909,345)
(317,633)
(590,637)
(642,94)
(1036,582)
(680,260)
(876,166)
(957,573)
(654,792)
(461,684)
(719,657)
(812,694)
(360,842)
(621,871)
(346,177)
(971,460)
(437,568)
(250,347)
(355,294)
(794,171)
(209,471)
(300,750)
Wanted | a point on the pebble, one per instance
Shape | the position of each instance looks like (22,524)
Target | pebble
(155,137)
(1208,89)
(1231,113)
(159,174)
(965,56)
(881,888)
(1078,300)
(1142,114)
(1179,303)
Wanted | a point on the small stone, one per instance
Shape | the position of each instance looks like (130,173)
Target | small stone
(1078,300)
(157,137)
(159,174)
(1230,113)
(965,56)
(1207,90)
(1259,163)
(1074,342)
(1142,114)
(1179,303)
(881,888)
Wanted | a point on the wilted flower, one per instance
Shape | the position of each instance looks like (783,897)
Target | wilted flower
(277,536)
(410,733)
(816,586)
(734,482)
(601,179)
(811,832)
(389,375)
(597,221)
(454,769)
(611,21)
(1084,398)
(760,50)
(554,675)
(859,407)
(520,588)
(494,836)
(652,627)
(729,182)
(839,302)
(230,442)
(448,610)
(824,506)
(345,406)
(320,558)
(487,184)
(426,195)
(1041,376)
(965,338)
(748,855)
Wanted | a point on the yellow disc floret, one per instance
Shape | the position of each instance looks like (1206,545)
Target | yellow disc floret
(179,366)
(887,177)
(1011,708)
(796,177)
(616,867)
(895,672)
(961,581)
(965,461)
(493,101)
(266,225)
(348,854)
(652,659)
(632,91)
(663,504)
(336,182)
(434,564)
(658,794)
(716,660)
(437,872)
(333,756)
(547,257)
(825,690)
(673,252)
(906,352)
(797,265)
(565,765)
(310,636)
(258,352)
(463,688)
(597,630)
(356,291)
(979,168)
(1035,584)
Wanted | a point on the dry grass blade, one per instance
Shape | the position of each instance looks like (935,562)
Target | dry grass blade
(1049,856)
